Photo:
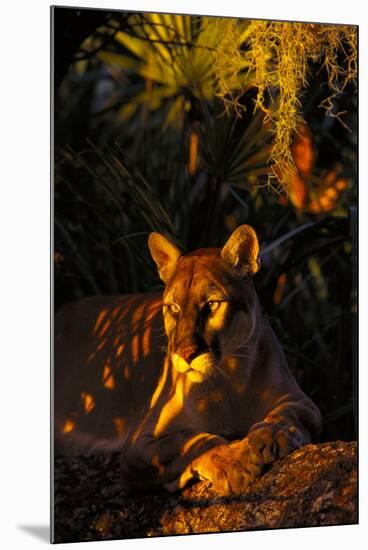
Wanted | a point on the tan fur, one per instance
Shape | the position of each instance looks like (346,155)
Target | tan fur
(219,405)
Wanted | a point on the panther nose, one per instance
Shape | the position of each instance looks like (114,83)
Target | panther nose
(187,353)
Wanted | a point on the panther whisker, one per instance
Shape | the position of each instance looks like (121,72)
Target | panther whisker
(238,355)
(230,351)
(216,368)
(210,381)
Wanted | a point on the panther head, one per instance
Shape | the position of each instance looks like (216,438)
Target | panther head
(210,306)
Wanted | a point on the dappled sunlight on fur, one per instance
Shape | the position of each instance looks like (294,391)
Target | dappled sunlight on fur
(104,363)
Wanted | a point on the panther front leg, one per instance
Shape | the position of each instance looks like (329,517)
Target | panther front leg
(176,457)
(290,425)
(150,461)
(233,466)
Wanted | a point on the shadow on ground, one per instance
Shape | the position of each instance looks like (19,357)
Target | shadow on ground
(41,532)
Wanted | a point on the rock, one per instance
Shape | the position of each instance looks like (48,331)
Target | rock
(315,485)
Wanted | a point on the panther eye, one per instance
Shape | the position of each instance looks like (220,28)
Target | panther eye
(174,309)
(213,305)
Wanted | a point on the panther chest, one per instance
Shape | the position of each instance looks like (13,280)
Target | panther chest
(217,410)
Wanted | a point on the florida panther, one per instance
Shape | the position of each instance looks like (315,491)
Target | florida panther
(209,397)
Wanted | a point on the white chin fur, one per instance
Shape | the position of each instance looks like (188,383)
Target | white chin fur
(179,363)
(197,369)
(195,376)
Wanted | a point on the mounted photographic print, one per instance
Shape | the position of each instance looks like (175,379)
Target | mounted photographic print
(204,373)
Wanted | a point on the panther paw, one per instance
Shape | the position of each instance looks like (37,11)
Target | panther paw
(270,442)
(228,468)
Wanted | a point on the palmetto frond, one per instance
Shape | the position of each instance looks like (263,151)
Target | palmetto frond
(178,56)
(233,152)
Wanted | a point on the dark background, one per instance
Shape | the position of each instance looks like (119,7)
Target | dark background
(117,178)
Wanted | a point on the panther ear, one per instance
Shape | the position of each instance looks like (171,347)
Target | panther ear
(241,252)
(165,255)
